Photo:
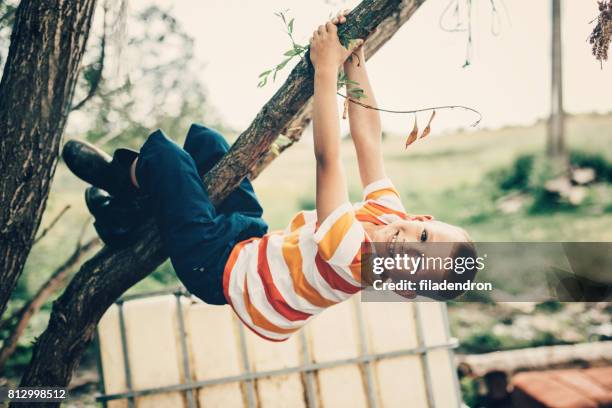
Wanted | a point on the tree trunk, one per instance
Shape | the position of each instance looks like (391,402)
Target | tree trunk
(109,273)
(47,43)
(555,146)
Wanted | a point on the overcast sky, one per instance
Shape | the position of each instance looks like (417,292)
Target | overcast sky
(508,81)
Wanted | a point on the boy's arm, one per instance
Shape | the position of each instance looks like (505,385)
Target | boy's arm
(331,180)
(364,123)
(327,55)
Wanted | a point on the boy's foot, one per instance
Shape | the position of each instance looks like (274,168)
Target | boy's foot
(116,221)
(97,168)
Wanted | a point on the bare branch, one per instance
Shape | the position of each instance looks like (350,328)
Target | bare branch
(52,224)
(98,69)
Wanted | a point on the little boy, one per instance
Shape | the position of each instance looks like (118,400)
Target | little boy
(278,281)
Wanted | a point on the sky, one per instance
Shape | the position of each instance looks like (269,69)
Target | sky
(422,65)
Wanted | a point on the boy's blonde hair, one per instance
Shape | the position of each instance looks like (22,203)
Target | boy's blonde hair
(462,249)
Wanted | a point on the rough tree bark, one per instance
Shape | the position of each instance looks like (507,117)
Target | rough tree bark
(47,43)
(109,273)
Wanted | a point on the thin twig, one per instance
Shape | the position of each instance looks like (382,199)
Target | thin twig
(417,110)
(52,224)
(83,231)
(95,83)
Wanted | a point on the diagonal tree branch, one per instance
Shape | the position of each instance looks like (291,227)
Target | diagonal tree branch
(110,273)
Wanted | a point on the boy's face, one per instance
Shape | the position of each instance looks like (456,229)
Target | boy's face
(405,231)
(398,234)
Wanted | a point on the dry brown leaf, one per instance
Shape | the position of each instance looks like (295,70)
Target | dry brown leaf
(413,135)
(346,106)
(427,130)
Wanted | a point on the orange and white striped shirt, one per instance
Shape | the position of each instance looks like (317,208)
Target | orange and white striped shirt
(277,283)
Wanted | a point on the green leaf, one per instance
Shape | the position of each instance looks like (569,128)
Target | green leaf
(282,64)
(290,26)
(292,53)
(263,82)
(357,93)
(265,73)
(281,14)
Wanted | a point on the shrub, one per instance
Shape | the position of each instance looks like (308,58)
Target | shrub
(517,176)
(595,161)
(481,342)
(543,200)
(529,173)
(549,306)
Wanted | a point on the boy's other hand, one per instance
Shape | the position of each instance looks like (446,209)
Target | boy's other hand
(326,52)
(356,51)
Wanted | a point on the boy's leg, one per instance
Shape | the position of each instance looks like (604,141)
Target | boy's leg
(196,238)
(207,147)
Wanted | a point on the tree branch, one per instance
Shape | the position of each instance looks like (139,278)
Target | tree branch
(109,273)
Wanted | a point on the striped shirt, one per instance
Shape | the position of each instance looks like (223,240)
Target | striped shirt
(277,283)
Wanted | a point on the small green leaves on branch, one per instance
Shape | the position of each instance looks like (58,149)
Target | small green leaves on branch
(354,93)
(352,87)
(299,51)
(296,50)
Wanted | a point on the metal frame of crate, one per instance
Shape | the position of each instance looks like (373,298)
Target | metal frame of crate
(365,359)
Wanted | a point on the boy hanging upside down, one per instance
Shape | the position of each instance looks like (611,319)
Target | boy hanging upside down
(277,281)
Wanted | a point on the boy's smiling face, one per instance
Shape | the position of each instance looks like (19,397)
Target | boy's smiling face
(405,231)
(410,237)
(392,240)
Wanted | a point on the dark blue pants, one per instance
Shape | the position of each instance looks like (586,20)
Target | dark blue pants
(197,236)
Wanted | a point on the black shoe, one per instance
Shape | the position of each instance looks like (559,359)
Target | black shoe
(117,221)
(97,168)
